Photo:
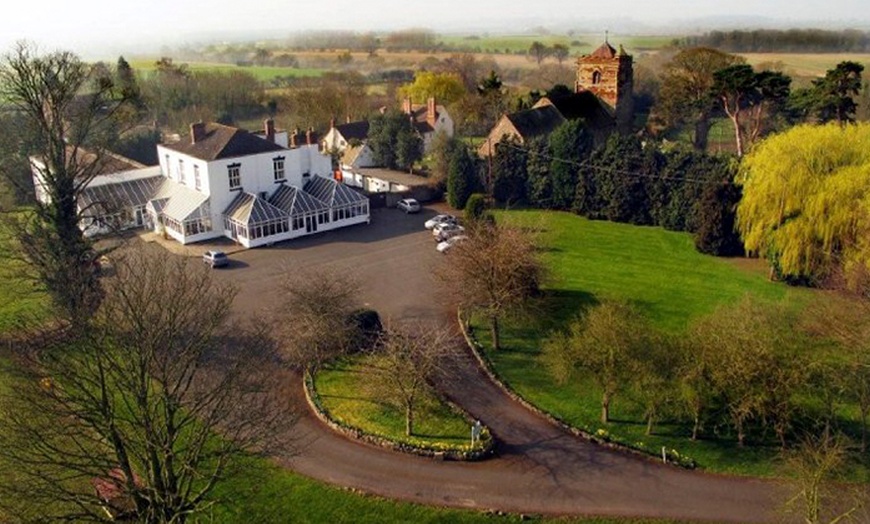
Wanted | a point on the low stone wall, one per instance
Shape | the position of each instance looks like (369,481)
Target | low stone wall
(672,457)
(485,451)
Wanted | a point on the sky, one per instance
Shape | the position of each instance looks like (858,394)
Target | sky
(92,26)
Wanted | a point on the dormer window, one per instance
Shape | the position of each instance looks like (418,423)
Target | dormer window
(234,176)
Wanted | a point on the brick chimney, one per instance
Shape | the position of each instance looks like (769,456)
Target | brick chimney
(293,137)
(431,116)
(332,123)
(309,134)
(269,127)
(406,105)
(197,132)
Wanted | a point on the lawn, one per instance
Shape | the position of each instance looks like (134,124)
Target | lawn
(21,299)
(348,399)
(660,273)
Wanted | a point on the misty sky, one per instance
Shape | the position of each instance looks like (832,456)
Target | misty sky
(83,24)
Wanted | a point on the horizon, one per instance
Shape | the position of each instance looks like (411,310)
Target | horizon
(52,24)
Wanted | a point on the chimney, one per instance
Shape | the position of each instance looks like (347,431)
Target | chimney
(308,135)
(293,137)
(269,126)
(332,123)
(431,117)
(348,118)
(406,105)
(197,132)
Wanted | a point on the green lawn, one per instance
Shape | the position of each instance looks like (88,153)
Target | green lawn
(660,273)
(21,299)
(343,392)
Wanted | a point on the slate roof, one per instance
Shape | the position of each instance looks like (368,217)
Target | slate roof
(334,193)
(420,111)
(294,201)
(583,105)
(179,202)
(537,121)
(358,130)
(111,198)
(250,209)
(220,141)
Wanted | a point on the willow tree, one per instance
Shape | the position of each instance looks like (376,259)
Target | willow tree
(806,201)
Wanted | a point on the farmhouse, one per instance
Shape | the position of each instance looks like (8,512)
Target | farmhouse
(221,181)
(602,98)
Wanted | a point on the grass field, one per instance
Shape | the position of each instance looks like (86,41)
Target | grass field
(807,65)
(661,274)
(20,298)
(499,44)
(262,73)
(346,396)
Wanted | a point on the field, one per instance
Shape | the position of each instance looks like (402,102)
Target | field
(20,297)
(577,44)
(661,274)
(800,65)
(262,73)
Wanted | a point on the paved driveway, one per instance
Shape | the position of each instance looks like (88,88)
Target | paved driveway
(541,468)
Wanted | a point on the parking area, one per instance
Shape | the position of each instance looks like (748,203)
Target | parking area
(393,258)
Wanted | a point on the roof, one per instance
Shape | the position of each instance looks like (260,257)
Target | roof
(605,50)
(220,141)
(179,202)
(111,198)
(354,130)
(583,105)
(420,112)
(250,209)
(332,192)
(396,177)
(294,201)
(536,121)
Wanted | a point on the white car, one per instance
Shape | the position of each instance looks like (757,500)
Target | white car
(443,226)
(408,205)
(439,219)
(444,247)
(447,233)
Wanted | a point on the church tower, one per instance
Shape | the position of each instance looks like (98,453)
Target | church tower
(608,74)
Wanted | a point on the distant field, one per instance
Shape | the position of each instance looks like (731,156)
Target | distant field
(521,43)
(262,73)
(806,64)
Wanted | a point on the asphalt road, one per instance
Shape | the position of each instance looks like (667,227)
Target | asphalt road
(540,468)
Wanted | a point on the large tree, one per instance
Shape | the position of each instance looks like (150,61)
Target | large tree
(496,272)
(463,175)
(446,88)
(146,412)
(570,144)
(394,141)
(805,200)
(685,97)
(832,98)
(70,117)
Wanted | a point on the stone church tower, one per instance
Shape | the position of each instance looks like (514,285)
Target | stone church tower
(608,74)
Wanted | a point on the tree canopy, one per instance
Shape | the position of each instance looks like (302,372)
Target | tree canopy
(446,88)
(805,200)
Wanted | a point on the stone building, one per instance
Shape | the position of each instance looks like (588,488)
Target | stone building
(608,74)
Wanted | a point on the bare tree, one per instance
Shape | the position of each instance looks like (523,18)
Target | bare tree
(405,363)
(144,413)
(71,113)
(496,271)
(316,322)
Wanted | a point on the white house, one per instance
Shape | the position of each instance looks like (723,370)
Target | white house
(429,120)
(224,181)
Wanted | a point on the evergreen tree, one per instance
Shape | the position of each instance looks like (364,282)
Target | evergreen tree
(394,141)
(570,144)
(509,172)
(539,185)
(463,177)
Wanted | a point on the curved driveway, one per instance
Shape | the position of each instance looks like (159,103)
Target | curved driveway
(540,468)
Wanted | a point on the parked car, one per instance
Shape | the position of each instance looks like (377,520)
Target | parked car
(443,227)
(215,258)
(450,232)
(409,205)
(445,246)
(440,219)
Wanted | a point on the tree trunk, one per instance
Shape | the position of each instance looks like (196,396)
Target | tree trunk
(493,322)
(738,135)
(741,437)
(696,427)
(702,133)
(409,420)
(605,408)
(863,429)
(649,424)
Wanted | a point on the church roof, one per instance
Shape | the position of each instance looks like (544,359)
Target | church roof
(583,105)
(604,51)
(537,121)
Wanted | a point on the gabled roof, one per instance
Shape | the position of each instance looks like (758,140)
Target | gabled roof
(583,105)
(250,209)
(179,202)
(294,201)
(112,198)
(219,141)
(536,121)
(332,192)
(420,112)
(354,130)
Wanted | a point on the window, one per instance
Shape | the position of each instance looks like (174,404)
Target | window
(168,170)
(234,176)
(196,180)
(181,170)
(596,77)
(278,166)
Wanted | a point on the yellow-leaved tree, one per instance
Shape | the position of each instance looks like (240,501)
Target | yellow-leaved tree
(806,201)
(446,88)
